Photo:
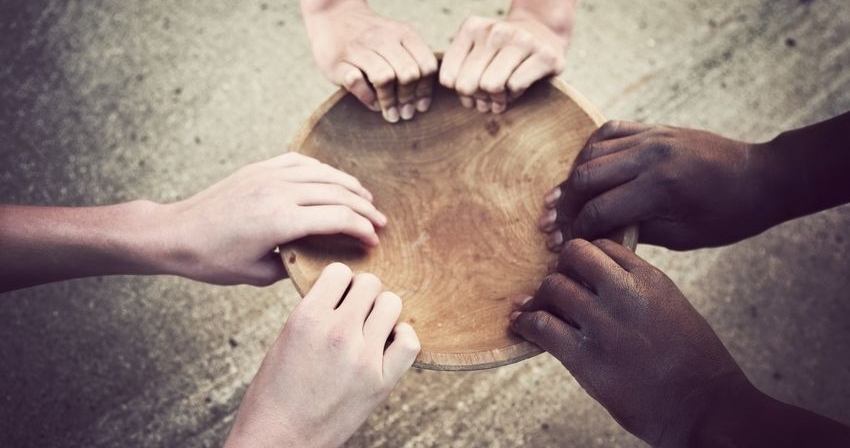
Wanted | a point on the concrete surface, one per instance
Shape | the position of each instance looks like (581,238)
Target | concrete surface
(105,101)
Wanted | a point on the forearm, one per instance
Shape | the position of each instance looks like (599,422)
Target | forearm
(739,415)
(46,244)
(806,169)
(557,15)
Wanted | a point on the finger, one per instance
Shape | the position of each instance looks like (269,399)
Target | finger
(601,174)
(499,102)
(353,80)
(424,92)
(554,335)
(332,194)
(467,101)
(407,75)
(496,75)
(612,129)
(382,76)
(427,63)
(268,270)
(325,174)
(329,287)
(534,68)
(482,105)
(622,255)
(454,56)
(382,319)
(622,206)
(610,138)
(587,264)
(329,220)
(473,68)
(565,298)
(365,287)
(400,354)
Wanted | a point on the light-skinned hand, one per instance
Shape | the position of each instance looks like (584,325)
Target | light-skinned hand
(229,231)
(491,62)
(382,62)
(338,357)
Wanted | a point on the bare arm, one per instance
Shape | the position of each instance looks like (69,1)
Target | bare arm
(634,342)
(46,244)
(226,234)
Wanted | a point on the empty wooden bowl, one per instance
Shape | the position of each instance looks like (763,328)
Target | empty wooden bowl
(463,191)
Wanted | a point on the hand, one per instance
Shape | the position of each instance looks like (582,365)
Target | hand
(228,232)
(492,62)
(384,63)
(330,367)
(685,188)
(632,341)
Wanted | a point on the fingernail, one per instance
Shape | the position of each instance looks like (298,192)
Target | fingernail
(407,111)
(382,219)
(391,115)
(482,106)
(499,108)
(519,301)
(376,107)
(423,104)
(555,240)
(551,198)
(547,221)
(467,102)
(514,315)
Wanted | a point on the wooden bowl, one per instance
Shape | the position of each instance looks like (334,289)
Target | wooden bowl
(462,191)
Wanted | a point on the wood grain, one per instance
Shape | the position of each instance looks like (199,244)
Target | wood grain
(462,191)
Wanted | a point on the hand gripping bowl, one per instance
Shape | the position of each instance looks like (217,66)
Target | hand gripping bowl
(462,191)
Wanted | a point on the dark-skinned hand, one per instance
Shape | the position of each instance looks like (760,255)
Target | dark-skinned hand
(685,188)
(630,338)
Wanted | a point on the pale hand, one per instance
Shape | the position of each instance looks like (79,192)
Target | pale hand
(330,367)
(228,232)
(492,62)
(382,62)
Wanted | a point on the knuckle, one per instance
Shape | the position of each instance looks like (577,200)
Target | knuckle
(582,177)
(408,75)
(490,85)
(382,77)
(473,24)
(610,127)
(500,34)
(523,39)
(591,214)
(572,250)
(368,278)
(541,322)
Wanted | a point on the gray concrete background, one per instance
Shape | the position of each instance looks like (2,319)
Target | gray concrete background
(104,101)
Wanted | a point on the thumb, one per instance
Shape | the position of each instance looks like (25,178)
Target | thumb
(400,354)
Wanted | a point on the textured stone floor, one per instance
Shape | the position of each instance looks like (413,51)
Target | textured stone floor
(104,101)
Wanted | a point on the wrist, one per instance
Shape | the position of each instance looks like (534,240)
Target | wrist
(557,17)
(144,237)
(720,412)
(781,180)
(314,7)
